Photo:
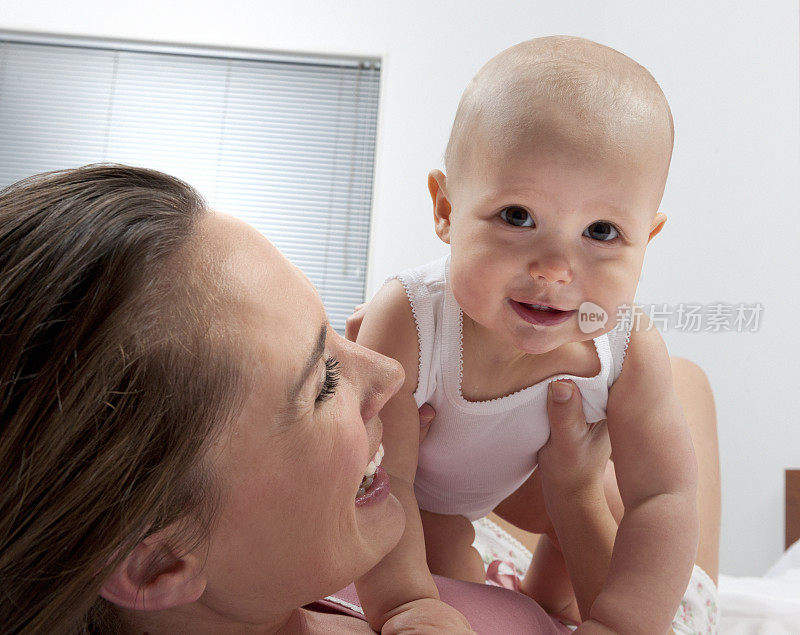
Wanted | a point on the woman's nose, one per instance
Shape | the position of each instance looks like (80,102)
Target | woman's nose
(382,377)
(551,268)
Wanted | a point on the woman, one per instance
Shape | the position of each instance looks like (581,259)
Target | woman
(183,435)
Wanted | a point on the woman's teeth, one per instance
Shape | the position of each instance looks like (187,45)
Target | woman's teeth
(369,472)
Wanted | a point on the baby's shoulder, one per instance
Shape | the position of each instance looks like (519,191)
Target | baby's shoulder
(424,281)
(389,328)
(391,307)
(646,359)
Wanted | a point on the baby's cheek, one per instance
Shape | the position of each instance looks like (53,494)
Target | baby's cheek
(616,282)
(468,298)
(470,283)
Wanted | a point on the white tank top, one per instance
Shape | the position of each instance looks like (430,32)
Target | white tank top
(478,452)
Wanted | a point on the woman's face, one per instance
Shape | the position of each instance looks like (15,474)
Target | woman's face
(288,529)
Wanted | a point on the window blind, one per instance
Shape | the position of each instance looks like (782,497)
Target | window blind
(284,142)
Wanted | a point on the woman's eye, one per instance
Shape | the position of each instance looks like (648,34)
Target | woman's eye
(331,380)
(601,231)
(516,216)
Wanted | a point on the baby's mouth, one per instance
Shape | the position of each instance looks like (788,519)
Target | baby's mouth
(540,314)
(369,471)
(541,307)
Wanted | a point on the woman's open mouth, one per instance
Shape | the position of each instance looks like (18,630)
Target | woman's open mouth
(540,315)
(375,484)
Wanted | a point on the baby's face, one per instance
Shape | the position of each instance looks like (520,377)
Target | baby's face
(557,227)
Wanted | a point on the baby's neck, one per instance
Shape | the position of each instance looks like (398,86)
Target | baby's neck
(493,349)
(492,368)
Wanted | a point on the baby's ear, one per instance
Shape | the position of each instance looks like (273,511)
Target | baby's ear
(441,204)
(657,225)
(154,577)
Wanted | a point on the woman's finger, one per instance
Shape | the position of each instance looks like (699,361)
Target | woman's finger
(426,415)
(565,411)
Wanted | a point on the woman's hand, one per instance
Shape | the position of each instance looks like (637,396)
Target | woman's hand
(425,616)
(573,464)
(573,461)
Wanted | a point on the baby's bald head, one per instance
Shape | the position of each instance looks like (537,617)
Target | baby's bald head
(560,91)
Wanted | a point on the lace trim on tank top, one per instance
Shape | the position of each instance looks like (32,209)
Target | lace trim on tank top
(453,318)
(410,297)
(516,392)
(625,347)
(445,338)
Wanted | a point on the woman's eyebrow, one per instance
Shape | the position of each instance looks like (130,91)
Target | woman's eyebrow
(311,362)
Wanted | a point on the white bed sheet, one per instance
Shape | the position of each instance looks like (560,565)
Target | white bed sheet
(769,605)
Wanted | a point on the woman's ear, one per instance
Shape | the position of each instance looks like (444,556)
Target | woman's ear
(657,225)
(441,204)
(153,578)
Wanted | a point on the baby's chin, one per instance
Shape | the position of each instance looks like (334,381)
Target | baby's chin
(542,340)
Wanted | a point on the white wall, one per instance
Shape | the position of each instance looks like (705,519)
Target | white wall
(730,71)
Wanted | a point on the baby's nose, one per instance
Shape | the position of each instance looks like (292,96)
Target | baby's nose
(551,269)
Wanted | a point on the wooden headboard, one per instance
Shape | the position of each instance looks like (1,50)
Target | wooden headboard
(792,506)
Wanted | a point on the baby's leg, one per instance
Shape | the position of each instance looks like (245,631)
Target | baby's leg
(448,546)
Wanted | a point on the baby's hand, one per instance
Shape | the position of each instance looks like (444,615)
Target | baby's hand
(573,461)
(425,616)
(352,324)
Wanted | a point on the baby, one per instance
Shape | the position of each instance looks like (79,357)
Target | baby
(556,165)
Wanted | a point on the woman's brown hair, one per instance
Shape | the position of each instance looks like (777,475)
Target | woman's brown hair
(114,374)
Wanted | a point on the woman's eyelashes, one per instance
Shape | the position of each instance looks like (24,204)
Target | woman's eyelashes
(516,216)
(331,380)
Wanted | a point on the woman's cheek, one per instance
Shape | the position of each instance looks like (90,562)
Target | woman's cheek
(349,445)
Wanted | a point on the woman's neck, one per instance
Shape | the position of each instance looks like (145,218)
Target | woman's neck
(200,620)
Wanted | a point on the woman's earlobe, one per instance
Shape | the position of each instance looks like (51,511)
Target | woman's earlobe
(154,578)
(657,225)
(441,204)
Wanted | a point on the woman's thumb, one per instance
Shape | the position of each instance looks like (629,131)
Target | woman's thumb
(561,390)
(564,408)
(426,415)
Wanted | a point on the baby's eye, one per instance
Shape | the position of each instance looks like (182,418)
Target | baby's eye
(601,231)
(516,216)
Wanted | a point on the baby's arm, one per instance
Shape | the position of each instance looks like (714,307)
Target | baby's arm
(402,576)
(656,471)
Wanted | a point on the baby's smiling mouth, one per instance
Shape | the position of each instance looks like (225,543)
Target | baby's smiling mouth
(369,471)
(540,314)
(541,307)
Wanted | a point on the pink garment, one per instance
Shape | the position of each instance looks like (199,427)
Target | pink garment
(490,610)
